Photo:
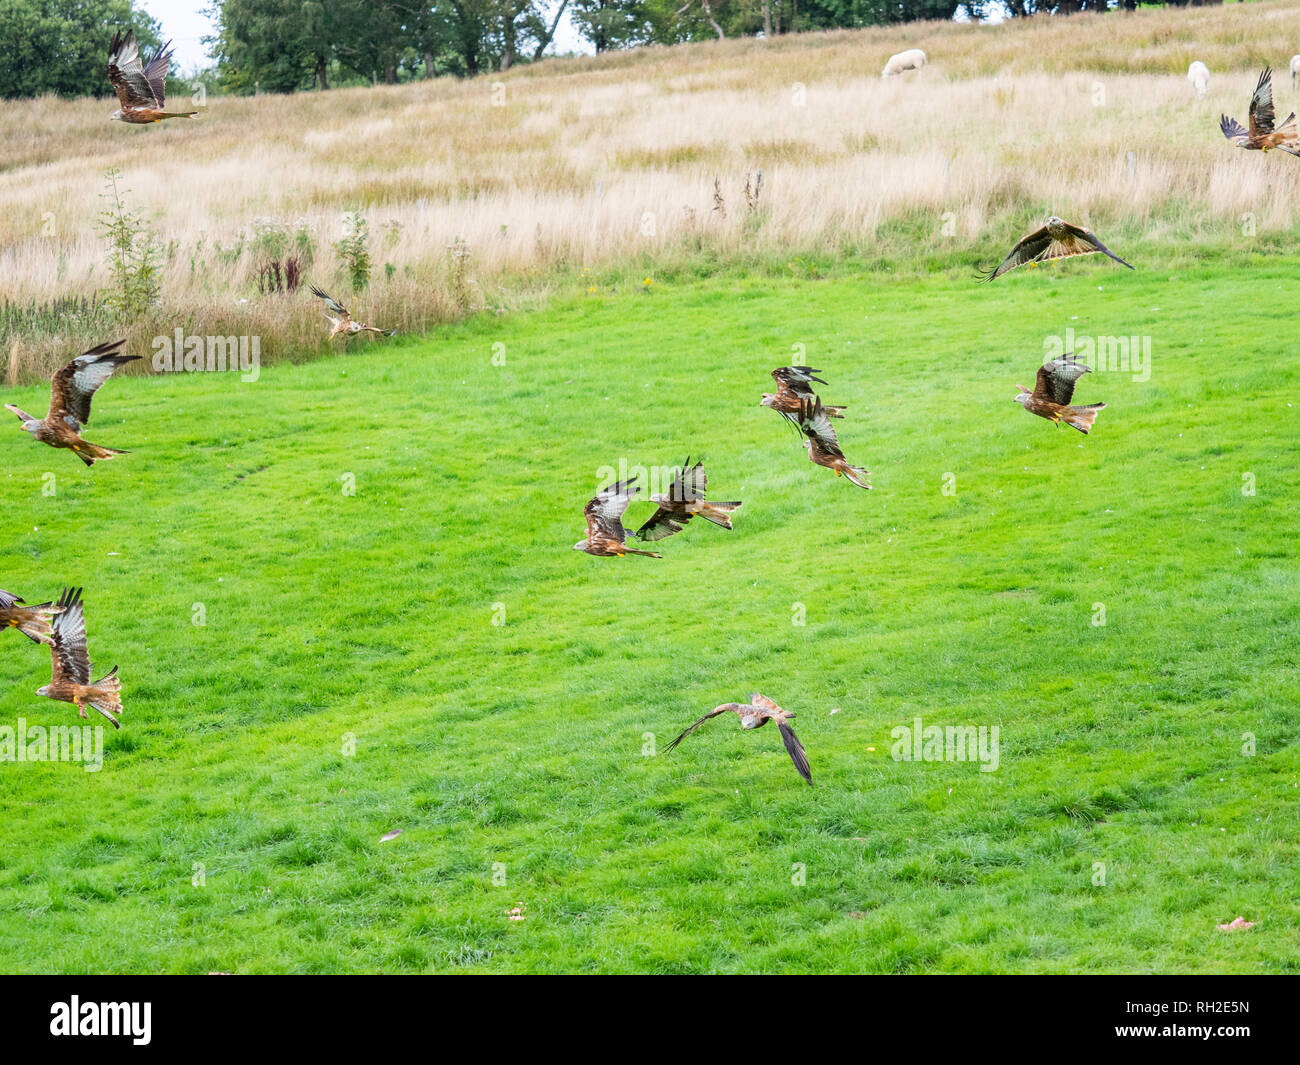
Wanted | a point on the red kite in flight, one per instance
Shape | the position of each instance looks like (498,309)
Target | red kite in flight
(685,500)
(1057,239)
(755,714)
(344,324)
(141,87)
(1053,391)
(794,385)
(70,671)
(1262,136)
(823,447)
(73,388)
(32,621)
(604,514)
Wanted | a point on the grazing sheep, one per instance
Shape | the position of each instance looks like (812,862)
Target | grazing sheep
(1295,70)
(1199,75)
(912,59)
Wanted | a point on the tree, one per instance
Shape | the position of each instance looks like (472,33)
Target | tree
(61,46)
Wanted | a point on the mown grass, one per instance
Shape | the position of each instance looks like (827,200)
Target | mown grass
(370,615)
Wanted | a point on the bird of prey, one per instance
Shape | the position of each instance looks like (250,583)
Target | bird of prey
(755,714)
(604,514)
(141,87)
(1057,239)
(1262,135)
(685,500)
(1053,391)
(70,670)
(32,621)
(73,388)
(823,447)
(344,325)
(793,385)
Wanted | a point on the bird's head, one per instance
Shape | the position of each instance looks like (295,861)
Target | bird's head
(766,401)
(1054,221)
(581,545)
(45,690)
(116,116)
(28,423)
(1023,395)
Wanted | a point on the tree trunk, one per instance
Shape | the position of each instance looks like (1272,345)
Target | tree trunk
(550,34)
(767,19)
(428,65)
(322,73)
(708,12)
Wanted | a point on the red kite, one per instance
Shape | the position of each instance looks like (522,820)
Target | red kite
(794,384)
(823,447)
(344,324)
(1053,391)
(755,714)
(685,500)
(1057,239)
(141,87)
(604,514)
(73,388)
(70,671)
(32,621)
(1262,136)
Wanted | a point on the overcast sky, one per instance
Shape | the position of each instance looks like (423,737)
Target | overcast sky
(187,25)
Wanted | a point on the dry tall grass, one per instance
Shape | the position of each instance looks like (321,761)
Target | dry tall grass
(601,162)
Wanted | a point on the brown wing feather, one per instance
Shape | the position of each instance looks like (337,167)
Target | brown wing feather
(686,732)
(1027,249)
(661,524)
(70,659)
(797,755)
(75,385)
(604,513)
(1056,379)
(760,700)
(1090,238)
(1262,116)
(816,426)
(127,75)
(333,304)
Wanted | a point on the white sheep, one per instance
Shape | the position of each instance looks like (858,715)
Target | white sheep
(1199,75)
(1295,70)
(912,59)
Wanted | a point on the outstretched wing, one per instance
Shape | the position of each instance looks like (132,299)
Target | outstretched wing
(1261,106)
(75,385)
(763,702)
(712,713)
(816,426)
(797,379)
(604,513)
(795,748)
(155,73)
(70,660)
(1233,130)
(333,304)
(662,523)
(1026,250)
(7,601)
(1091,244)
(1056,379)
(128,75)
(690,483)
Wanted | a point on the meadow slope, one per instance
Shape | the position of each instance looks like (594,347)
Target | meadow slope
(632,162)
(517,748)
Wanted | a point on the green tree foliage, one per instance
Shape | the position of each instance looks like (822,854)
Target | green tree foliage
(61,46)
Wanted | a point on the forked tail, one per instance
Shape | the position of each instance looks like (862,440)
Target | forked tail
(91,453)
(857,475)
(107,699)
(718,513)
(634,551)
(1081,418)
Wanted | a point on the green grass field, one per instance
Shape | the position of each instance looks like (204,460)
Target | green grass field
(520,745)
